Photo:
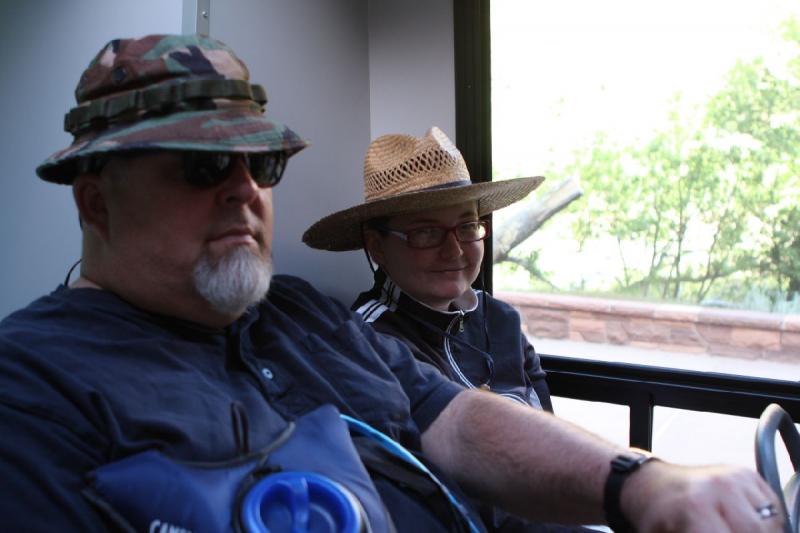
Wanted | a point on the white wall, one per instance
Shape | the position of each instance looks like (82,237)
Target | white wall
(412,80)
(340,72)
(44,47)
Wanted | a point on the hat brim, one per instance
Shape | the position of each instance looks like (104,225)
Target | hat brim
(223,130)
(342,230)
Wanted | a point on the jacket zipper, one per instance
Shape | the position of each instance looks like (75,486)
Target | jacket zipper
(450,359)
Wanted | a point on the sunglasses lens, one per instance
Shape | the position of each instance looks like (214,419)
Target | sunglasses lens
(267,169)
(206,169)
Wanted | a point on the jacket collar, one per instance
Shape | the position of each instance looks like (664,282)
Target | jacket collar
(393,297)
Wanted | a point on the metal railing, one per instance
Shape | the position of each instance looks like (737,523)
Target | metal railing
(642,388)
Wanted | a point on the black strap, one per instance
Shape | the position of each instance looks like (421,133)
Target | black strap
(377,461)
(380,463)
(622,466)
(611,503)
(71,269)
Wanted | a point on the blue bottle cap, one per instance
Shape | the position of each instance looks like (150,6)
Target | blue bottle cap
(300,502)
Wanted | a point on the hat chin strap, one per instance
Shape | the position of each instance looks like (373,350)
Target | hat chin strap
(372,265)
(373,268)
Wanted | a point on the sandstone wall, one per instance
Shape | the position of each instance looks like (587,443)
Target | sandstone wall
(682,328)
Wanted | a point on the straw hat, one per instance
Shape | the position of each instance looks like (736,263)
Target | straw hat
(404,174)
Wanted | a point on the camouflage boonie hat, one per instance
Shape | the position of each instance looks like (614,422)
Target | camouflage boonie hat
(169,92)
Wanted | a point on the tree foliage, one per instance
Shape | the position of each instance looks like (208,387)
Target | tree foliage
(706,207)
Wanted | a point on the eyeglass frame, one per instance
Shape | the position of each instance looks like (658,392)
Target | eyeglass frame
(404,235)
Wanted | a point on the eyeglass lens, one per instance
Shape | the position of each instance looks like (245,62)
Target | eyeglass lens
(208,169)
(435,235)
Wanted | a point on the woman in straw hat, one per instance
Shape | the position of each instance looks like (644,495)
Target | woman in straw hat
(422,224)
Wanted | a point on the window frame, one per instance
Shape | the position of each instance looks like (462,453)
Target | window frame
(640,387)
(473,99)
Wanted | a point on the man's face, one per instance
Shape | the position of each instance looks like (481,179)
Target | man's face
(434,276)
(167,239)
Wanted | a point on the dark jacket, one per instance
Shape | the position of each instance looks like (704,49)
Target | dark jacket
(482,346)
(479,347)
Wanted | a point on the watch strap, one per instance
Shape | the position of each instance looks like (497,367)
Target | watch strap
(622,466)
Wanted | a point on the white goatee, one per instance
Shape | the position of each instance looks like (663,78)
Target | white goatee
(234,282)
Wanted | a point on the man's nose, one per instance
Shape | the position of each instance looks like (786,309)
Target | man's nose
(239,187)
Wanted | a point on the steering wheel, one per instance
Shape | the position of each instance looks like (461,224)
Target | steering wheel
(772,420)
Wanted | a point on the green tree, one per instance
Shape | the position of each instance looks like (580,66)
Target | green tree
(761,110)
(707,205)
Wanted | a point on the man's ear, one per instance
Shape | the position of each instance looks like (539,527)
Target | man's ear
(374,246)
(92,204)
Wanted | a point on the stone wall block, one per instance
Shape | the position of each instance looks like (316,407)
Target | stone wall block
(757,339)
(575,336)
(790,341)
(685,335)
(553,327)
(740,319)
(534,314)
(615,332)
(659,326)
(585,315)
(714,334)
(647,331)
(590,329)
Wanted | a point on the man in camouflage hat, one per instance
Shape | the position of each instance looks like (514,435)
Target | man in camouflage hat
(154,392)
(166,92)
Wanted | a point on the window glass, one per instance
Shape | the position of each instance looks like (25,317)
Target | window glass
(681,436)
(610,420)
(669,133)
(694,437)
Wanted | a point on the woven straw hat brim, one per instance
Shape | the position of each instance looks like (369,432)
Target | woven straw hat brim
(223,130)
(342,231)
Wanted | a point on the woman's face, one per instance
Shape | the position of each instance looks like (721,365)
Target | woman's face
(435,276)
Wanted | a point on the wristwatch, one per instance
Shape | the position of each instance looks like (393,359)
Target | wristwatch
(622,466)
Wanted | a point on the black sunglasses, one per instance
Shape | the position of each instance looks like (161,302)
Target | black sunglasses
(208,169)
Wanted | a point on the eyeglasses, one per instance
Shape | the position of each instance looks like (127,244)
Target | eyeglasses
(433,236)
(208,169)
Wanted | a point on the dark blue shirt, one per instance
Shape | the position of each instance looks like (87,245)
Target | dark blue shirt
(86,379)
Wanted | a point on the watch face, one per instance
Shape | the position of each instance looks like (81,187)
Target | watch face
(629,461)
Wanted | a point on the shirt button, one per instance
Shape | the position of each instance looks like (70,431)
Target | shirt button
(267,373)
